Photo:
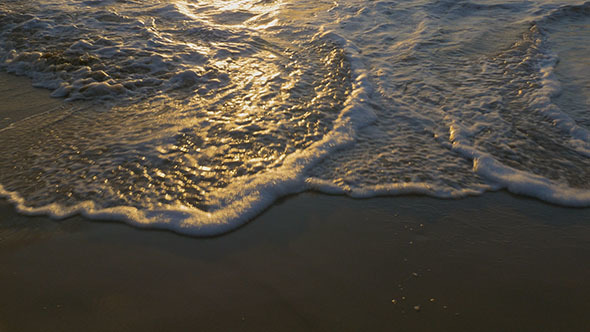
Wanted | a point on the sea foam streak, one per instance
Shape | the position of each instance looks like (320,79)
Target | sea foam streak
(450,90)
(195,116)
(193,126)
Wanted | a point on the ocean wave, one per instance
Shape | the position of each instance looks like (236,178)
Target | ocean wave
(194,117)
(185,125)
(459,119)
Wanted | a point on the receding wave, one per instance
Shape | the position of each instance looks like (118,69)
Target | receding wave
(179,124)
(454,122)
(195,116)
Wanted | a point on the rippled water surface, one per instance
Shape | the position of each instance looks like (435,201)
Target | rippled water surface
(194,116)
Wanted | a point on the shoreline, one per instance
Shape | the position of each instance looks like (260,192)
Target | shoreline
(310,261)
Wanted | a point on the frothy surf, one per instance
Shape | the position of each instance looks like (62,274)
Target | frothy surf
(195,116)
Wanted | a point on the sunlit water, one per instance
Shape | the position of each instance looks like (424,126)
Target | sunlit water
(196,115)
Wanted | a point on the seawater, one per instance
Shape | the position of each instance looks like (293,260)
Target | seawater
(194,116)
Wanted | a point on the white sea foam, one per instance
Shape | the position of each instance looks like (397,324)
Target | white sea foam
(246,196)
(514,180)
(489,114)
(227,206)
(196,116)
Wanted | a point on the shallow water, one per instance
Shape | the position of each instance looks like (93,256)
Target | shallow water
(195,116)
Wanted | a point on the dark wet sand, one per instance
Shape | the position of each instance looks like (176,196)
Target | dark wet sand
(311,262)
(19,100)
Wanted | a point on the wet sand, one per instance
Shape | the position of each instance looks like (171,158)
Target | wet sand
(18,100)
(311,262)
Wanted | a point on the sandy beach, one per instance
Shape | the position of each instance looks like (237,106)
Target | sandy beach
(311,262)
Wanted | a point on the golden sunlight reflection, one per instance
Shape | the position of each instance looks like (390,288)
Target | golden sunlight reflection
(210,96)
(251,14)
(234,136)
